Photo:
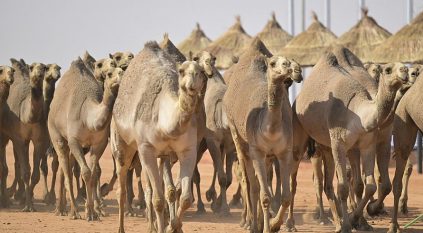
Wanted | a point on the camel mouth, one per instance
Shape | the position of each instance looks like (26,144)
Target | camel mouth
(124,67)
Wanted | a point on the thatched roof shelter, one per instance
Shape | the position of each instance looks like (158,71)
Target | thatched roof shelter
(196,42)
(171,49)
(273,36)
(307,47)
(405,46)
(229,45)
(364,37)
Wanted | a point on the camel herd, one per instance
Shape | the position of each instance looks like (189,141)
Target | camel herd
(159,108)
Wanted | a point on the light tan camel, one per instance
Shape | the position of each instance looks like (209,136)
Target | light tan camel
(79,118)
(6,79)
(344,115)
(260,120)
(152,90)
(413,72)
(122,59)
(406,123)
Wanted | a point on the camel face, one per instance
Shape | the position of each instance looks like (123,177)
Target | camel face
(190,78)
(413,73)
(395,75)
(279,68)
(375,70)
(6,75)
(37,71)
(296,72)
(122,59)
(113,78)
(102,68)
(207,61)
(52,72)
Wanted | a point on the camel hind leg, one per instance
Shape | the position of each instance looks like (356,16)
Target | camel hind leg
(404,193)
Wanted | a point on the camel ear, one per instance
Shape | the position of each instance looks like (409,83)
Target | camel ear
(387,69)
(110,56)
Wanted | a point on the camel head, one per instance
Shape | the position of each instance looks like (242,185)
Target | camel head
(297,75)
(278,68)
(52,73)
(6,75)
(414,72)
(191,80)
(122,59)
(102,68)
(36,75)
(374,69)
(207,61)
(394,75)
(113,78)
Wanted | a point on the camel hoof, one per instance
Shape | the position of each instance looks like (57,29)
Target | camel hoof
(19,197)
(121,230)
(363,225)
(105,190)
(28,209)
(242,223)
(373,209)
(140,203)
(224,211)
(50,198)
(130,213)
(75,215)
(211,195)
(235,203)
(60,212)
(403,206)
(5,201)
(394,228)
(290,225)
(200,209)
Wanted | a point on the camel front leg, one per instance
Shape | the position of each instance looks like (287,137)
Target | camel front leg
(187,162)
(39,157)
(287,173)
(95,155)
(383,153)
(4,171)
(51,198)
(339,152)
(368,162)
(25,171)
(108,187)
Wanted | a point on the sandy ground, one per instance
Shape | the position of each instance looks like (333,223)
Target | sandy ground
(13,220)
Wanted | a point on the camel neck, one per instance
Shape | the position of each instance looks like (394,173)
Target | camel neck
(385,103)
(4,92)
(273,113)
(48,92)
(98,115)
(109,97)
(274,95)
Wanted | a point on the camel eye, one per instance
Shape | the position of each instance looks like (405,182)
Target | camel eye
(131,56)
(1,71)
(99,65)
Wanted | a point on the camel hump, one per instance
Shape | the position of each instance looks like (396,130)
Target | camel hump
(259,46)
(341,56)
(153,45)
(19,65)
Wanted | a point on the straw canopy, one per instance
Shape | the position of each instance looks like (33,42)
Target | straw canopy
(229,45)
(405,46)
(196,42)
(273,36)
(364,37)
(307,47)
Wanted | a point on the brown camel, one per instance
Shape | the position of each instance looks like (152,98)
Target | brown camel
(25,122)
(154,115)
(406,123)
(259,116)
(343,116)
(79,118)
(6,79)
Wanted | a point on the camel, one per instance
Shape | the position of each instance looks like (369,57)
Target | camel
(374,70)
(25,122)
(89,61)
(406,123)
(414,72)
(79,118)
(152,90)
(122,59)
(261,126)
(6,79)
(343,116)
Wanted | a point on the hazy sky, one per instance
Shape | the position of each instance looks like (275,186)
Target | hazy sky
(60,30)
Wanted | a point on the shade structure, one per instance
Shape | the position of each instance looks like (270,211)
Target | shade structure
(307,47)
(168,46)
(229,45)
(196,42)
(404,46)
(273,36)
(364,37)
